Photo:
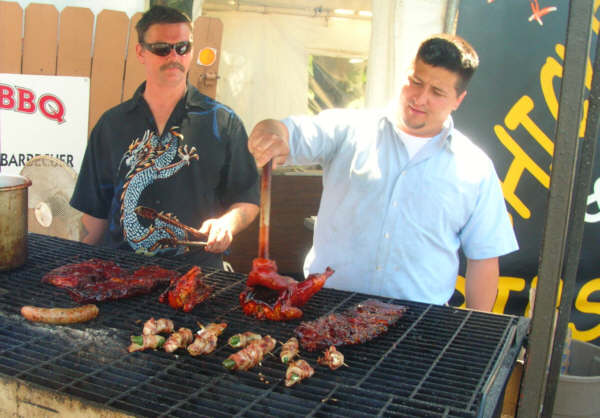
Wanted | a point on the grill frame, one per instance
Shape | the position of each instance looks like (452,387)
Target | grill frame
(410,371)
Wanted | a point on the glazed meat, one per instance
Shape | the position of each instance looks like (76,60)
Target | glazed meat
(187,291)
(289,294)
(97,280)
(357,325)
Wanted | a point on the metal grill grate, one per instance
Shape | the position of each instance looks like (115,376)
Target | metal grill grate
(435,362)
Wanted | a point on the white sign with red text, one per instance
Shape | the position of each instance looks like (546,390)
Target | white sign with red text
(42,115)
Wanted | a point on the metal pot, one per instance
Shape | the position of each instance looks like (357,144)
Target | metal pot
(13,221)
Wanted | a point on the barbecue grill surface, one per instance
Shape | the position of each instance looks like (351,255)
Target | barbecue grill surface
(435,362)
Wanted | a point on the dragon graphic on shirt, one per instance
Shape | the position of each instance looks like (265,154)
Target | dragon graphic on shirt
(150,159)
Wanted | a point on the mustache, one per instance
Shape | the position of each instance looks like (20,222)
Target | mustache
(172,65)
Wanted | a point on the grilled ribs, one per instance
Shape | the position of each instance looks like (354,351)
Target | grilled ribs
(356,325)
(97,280)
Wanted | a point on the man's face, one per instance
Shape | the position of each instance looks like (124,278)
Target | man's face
(428,96)
(170,70)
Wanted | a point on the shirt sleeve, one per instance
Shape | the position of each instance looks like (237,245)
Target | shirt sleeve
(316,139)
(94,188)
(241,180)
(489,233)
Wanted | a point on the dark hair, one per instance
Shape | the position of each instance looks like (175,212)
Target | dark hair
(452,53)
(160,14)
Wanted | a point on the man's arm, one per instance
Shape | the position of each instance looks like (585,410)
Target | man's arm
(482,283)
(93,229)
(221,230)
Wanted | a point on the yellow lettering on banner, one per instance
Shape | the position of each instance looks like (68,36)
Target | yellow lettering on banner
(552,69)
(506,285)
(584,305)
(460,286)
(519,115)
(534,286)
(521,162)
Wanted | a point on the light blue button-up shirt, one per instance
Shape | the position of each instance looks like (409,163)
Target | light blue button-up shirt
(391,226)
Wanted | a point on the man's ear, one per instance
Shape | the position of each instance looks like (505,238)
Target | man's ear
(139,52)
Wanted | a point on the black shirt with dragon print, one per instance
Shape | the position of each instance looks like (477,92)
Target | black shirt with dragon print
(150,187)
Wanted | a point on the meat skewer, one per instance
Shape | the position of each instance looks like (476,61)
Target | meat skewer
(296,371)
(289,350)
(153,326)
(251,355)
(332,358)
(143,342)
(206,339)
(243,339)
(180,339)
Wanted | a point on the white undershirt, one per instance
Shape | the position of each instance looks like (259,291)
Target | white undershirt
(413,143)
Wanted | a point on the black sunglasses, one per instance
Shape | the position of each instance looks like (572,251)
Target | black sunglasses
(162,49)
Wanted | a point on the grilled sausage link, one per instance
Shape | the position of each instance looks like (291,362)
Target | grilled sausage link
(60,315)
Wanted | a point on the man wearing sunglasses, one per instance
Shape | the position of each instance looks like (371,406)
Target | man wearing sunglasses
(170,165)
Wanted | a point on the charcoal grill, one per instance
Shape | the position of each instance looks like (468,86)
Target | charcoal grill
(435,362)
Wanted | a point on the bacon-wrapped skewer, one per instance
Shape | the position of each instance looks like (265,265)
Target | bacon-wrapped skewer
(296,371)
(289,350)
(331,358)
(251,355)
(180,339)
(243,339)
(153,326)
(206,339)
(143,342)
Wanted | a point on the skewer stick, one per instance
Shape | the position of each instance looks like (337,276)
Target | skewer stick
(265,210)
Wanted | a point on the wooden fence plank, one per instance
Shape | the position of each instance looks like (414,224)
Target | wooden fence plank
(108,63)
(11,37)
(75,42)
(208,32)
(134,70)
(40,42)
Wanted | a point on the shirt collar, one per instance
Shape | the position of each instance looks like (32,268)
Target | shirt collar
(192,97)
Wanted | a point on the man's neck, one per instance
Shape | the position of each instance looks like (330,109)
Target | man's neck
(162,101)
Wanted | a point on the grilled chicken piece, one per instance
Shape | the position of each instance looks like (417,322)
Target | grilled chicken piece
(143,342)
(296,371)
(206,339)
(153,326)
(251,355)
(331,358)
(243,339)
(185,292)
(289,350)
(180,339)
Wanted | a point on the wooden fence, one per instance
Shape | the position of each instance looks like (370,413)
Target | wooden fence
(46,42)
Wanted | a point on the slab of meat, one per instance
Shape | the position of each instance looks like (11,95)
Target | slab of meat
(357,325)
(187,291)
(97,280)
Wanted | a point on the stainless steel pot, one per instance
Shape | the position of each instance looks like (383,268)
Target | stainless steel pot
(13,221)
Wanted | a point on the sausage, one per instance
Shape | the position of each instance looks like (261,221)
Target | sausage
(60,315)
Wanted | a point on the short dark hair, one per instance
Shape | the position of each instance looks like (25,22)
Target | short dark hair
(452,53)
(160,14)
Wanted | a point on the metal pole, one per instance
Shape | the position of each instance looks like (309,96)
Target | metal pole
(583,181)
(558,208)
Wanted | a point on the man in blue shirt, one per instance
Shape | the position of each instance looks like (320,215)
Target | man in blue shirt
(403,190)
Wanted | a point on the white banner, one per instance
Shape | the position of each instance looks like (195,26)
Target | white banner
(42,115)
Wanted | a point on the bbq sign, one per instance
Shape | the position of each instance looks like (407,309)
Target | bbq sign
(511,110)
(42,115)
